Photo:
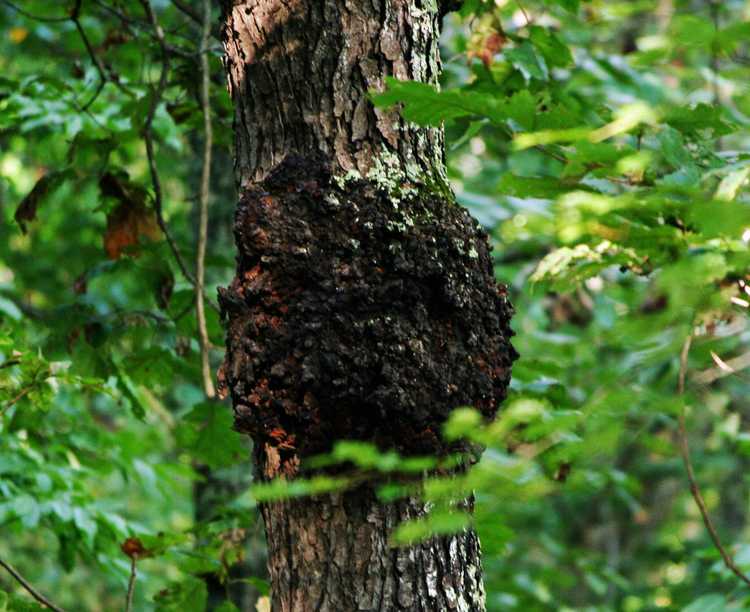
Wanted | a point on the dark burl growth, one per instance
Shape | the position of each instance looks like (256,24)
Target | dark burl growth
(358,315)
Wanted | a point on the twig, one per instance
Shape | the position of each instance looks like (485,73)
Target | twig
(29,589)
(24,392)
(149,140)
(139,25)
(686,460)
(191,12)
(523,10)
(20,11)
(74,17)
(103,78)
(126,19)
(200,260)
(131,584)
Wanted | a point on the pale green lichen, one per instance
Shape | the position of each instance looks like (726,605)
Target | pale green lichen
(402,181)
(343,180)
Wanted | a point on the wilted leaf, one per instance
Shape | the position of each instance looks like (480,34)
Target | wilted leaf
(27,209)
(126,225)
(130,220)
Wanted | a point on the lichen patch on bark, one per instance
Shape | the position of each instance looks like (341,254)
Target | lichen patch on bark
(352,318)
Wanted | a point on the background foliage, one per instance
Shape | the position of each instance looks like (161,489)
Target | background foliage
(604,146)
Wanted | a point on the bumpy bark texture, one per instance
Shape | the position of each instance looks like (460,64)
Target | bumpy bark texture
(302,70)
(364,304)
(359,314)
(333,556)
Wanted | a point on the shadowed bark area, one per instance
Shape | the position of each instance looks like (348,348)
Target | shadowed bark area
(364,304)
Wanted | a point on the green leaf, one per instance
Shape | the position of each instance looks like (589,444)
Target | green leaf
(206,431)
(569,5)
(187,596)
(27,509)
(691,119)
(138,403)
(533,187)
(673,148)
(732,36)
(425,105)
(565,268)
(462,423)
(692,31)
(438,522)
(719,218)
(283,489)
(525,58)
(713,602)
(555,53)
(732,183)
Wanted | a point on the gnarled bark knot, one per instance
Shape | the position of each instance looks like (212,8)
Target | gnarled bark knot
(358,312)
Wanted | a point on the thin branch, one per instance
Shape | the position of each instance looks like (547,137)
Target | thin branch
(131,584)
(75,18)
(687,461)
(28,15)
(149,140)
(140,26)
(103,78)
(523,10)
(29,588)
(24,392)
(126,19)
(200,261)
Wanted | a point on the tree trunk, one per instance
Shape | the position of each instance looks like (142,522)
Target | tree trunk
(364,305)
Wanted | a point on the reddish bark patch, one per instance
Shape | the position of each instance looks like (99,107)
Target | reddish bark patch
(356,317)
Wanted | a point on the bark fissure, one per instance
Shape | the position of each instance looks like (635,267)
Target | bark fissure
(364,304)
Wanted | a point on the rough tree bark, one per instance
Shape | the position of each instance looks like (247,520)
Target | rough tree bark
(364,304)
